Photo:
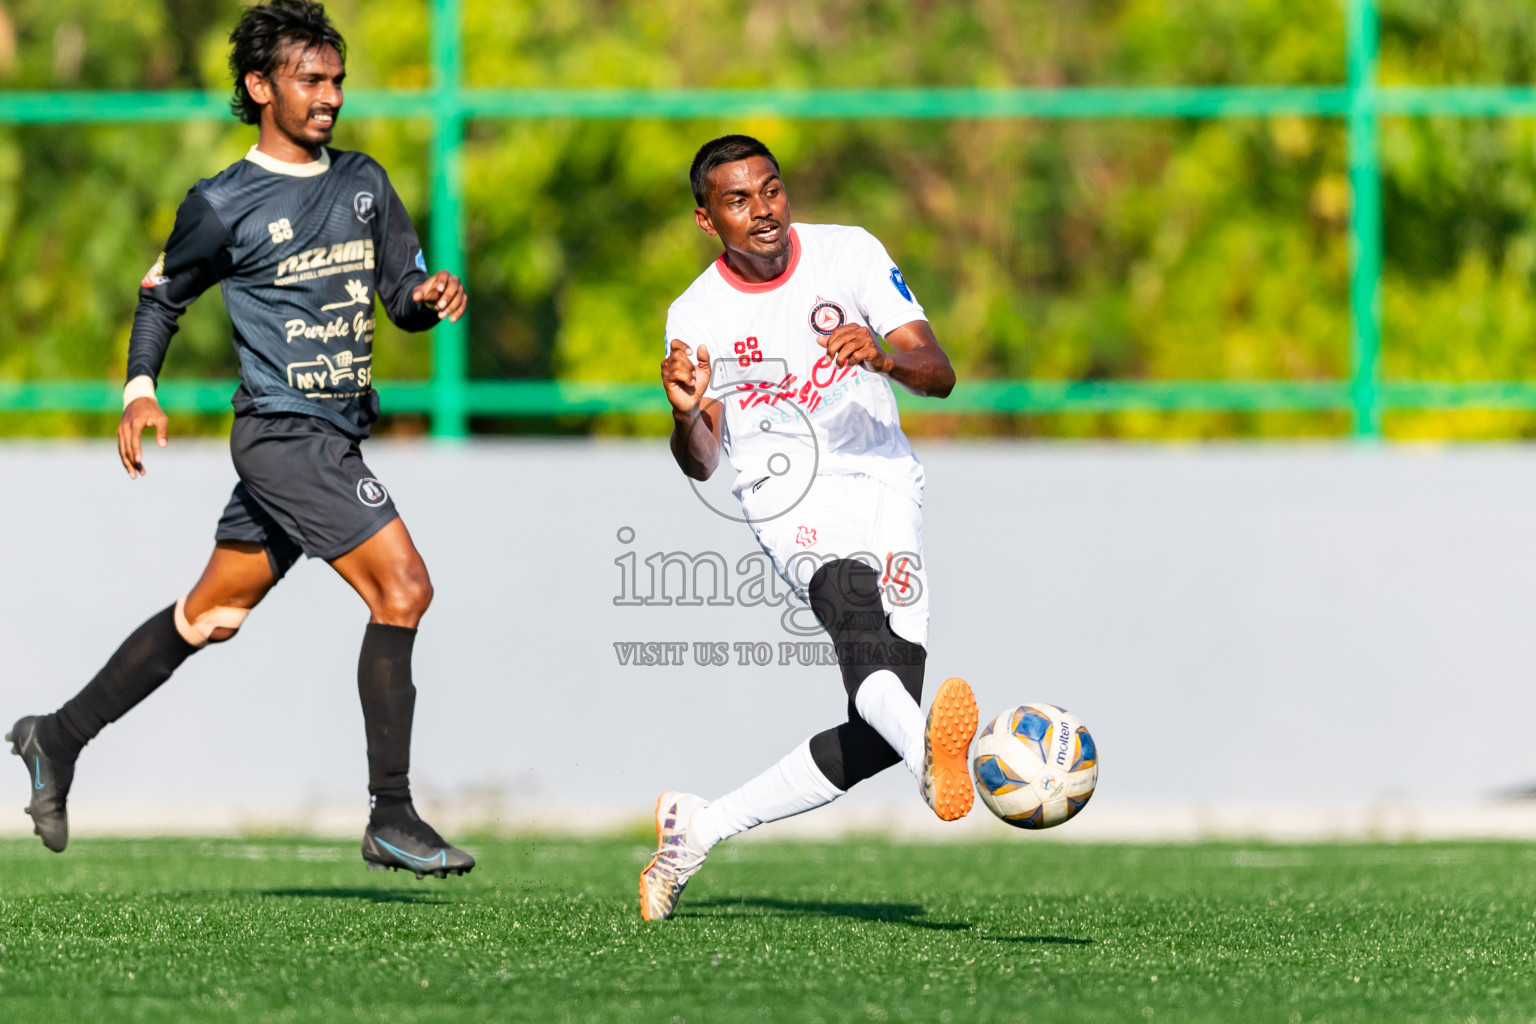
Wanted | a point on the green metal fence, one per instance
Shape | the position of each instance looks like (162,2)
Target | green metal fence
(451,397)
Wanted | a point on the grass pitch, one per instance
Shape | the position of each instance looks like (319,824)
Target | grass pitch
(548,930)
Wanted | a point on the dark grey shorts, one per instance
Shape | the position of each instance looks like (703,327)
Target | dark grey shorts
(304,488)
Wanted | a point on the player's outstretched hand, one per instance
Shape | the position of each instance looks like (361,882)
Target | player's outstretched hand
(141,414)
(685,380)
(855,345)
(444,292)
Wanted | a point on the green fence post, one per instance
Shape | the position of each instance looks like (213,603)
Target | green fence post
(1364,222)
(450,342)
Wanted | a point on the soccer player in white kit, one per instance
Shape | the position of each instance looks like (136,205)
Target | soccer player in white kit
(774,354)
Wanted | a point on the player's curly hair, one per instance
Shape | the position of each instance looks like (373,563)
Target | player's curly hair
(727,149)
(261,39)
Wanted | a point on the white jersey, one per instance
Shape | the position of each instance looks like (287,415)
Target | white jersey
(782,395)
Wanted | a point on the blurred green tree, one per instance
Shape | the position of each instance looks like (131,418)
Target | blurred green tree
(1159,250)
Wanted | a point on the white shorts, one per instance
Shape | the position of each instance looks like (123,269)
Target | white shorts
(847,516)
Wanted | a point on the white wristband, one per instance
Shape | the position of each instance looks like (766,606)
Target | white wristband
(142,386)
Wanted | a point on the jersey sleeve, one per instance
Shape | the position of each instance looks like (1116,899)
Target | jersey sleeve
(677,330)
(682,326)
(403,265)
(196,257)
(883,295)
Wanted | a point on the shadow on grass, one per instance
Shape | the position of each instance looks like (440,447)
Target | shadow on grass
(909,914)
(371,895)
(315,892)
(1052,940)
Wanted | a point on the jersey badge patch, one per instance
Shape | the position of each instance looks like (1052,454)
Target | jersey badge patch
(421,261)
(362,205)
(371,493)
(155,276)
(901,284)
(805,536)
(827,317)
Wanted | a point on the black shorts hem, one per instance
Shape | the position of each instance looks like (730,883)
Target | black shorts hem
(281,550)
(355,541)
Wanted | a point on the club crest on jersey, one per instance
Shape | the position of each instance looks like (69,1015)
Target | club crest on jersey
(827,317)
(371,493)
(362,205)
(155,276)
(901,284)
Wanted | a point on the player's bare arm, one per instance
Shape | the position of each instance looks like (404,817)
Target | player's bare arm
(916,361)
(695,416)
(140,415)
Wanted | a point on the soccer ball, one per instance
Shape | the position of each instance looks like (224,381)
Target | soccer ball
(1035,766)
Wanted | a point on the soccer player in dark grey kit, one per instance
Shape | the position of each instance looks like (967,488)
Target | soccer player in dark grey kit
(301,238)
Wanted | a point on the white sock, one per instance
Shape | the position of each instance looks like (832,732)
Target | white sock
(792,786)
(886,705)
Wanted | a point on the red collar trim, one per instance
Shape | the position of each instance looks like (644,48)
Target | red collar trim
(753,287)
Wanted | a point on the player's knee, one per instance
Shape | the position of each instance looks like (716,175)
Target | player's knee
(845,595)
(214,626)
(827,753)
(406,599)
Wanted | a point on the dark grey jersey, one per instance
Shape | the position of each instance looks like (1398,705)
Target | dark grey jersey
(300,252)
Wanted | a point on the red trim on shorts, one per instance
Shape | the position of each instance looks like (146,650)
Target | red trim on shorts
(752,287)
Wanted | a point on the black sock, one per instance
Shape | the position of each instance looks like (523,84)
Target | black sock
(402,815)
(136,669)
(389,702)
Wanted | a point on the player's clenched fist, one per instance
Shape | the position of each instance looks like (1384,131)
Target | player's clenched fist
(855,345)
(141,414)
(685,380)
(444,292)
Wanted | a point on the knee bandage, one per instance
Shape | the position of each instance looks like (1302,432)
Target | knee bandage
(199,632)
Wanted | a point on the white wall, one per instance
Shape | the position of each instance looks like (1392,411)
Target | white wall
(1285,631)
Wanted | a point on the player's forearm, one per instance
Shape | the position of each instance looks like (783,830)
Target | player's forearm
(421,318)
(153,327)
(694,444)
(923,371)
(408,314)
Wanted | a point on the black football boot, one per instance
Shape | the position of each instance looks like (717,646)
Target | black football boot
(49,779)
(397,839)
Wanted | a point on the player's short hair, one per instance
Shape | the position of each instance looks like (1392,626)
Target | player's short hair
(727,149)
(261,40)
